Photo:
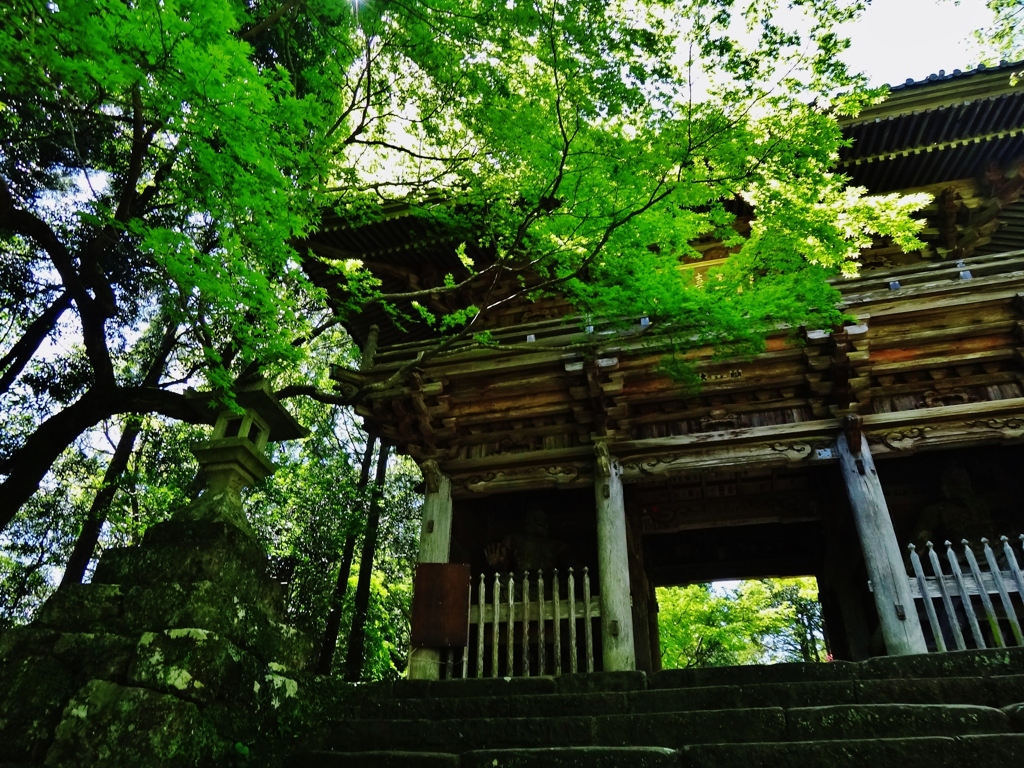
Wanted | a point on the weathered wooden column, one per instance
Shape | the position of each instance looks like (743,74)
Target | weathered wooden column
(435,544)
(613,564)
(901,628)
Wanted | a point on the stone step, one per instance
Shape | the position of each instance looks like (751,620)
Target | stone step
(681,729)
(975,663)
(914,752)
(943,709)
(997,691)
(375,759)
(867,721)
(573,757)
(672,729)
(553,757)
(921,752)
(958,664)
(481,733)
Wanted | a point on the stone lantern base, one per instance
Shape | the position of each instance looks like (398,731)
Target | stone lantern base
(175,654)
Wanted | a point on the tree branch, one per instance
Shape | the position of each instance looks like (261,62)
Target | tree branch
(271,20)
(26,223)
(19,355)
(307,390)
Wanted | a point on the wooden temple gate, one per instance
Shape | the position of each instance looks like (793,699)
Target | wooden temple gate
(770,468)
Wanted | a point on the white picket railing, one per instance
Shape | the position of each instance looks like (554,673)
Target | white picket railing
(951,600)
(526,613)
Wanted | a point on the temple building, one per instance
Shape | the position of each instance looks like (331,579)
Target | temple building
(566,476)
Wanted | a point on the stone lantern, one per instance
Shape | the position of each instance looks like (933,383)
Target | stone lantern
(234,457)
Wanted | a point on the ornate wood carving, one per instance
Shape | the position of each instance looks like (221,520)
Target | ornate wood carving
(725,455)
(521,478)
(958,396)
(948,434)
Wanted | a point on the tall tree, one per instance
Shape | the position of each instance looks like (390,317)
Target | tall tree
(162,162)
(329,643)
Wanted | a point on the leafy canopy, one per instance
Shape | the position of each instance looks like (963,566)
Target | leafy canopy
(163,162)
(592,144)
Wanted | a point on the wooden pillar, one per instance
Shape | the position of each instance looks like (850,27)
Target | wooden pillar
(435,544)
(640,590)
(653,630)
(613,565)
(901,628)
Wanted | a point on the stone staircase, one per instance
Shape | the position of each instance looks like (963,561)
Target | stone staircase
(963,709)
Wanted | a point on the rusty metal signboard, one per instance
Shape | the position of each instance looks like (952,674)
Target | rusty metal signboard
(440,605)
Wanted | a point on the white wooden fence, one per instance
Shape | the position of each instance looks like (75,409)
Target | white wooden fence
(531,625)
(953,600)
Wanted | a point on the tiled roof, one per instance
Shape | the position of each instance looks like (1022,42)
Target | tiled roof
(945,127)
(1007,66)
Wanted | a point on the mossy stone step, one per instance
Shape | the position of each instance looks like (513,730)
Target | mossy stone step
(921,752)
(376,759)
(444,735)
(555,757)
(984,663)
(553,705)
(866,721)
(672,730)
(930,710)
(677,729)
(572,757)
(997,692)
(980,665)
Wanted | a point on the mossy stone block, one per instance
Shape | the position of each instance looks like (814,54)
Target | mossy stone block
(214,607)
(83,608)
(195,664)
(110,725)
(19,642)
(189,562)
(33,693)
(200,532)
(95,655)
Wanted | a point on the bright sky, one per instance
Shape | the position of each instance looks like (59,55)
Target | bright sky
(897,39)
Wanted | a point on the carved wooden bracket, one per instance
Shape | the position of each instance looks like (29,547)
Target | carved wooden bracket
(431,475)
(603,460)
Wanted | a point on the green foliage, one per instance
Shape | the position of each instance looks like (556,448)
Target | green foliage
(304,513)
(757,622)
(37,543)
(1003,37)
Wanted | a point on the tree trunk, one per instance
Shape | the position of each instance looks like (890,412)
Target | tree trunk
(357,637)
(30,463)
(330,641)
(90,535)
